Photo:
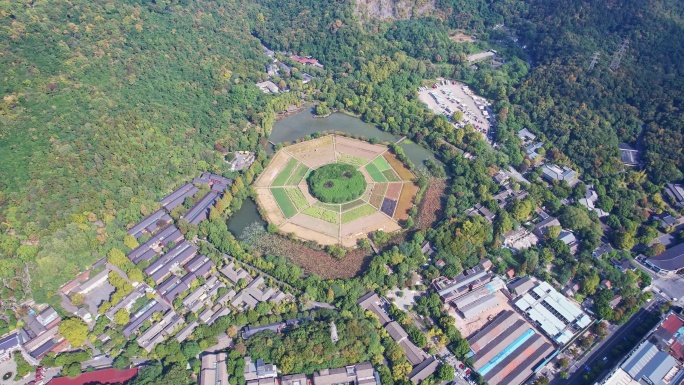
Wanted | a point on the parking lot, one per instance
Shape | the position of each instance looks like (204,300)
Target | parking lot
(446,97)
(670,287)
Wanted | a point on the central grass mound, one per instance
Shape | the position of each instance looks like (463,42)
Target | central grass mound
(336,183)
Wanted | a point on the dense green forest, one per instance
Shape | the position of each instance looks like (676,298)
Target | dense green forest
(586,112)
(105,108)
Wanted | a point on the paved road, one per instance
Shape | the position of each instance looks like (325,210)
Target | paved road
(610,342)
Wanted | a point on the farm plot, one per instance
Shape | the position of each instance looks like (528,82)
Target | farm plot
(374,173)
(297,175)
(315,224)
(273,169)
(391,176)
(285,174)
(328,206)
(314,153)
(393,191)
(357,213)
(350,159)
(321,213)
(378,195)
(398,167)
(358,148)
(405,201)
(388,206)
(381,164)
(284,202)
(353,204)
(296,196)
(284,190)
(267,202)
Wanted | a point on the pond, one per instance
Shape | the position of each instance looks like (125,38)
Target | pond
(302,124)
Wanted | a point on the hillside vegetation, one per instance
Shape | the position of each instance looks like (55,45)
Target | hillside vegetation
(105,106)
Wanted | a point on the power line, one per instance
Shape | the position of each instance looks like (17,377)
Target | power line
(615,63)
(594,59)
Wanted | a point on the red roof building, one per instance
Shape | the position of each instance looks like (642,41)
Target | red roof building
(669,336)
(306,61)
(105,377)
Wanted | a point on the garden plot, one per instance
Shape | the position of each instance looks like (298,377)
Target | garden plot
(273,170)
(314,153)
(374,173)
(408,192)
(304,188)
(324,214)
(284,190)
(286,206)
(267,202)
(358,148)
(286,173)
(315,224)
(310,235)
(394,191)
(349,159)
(398,167)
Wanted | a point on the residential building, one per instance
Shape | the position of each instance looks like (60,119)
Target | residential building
(234,274)
(526,136)
(268,87)
(257,370)
(602,250)
(178,197)
(531,150)
(623,265)
(90,285)
(676,192)
(423,370)
(520,239)
(214,370)
(542,227)
(359,374)
(150,224)
(552,172)
(8,344)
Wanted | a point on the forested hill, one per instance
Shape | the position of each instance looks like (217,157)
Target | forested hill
(105,106)
(586,112)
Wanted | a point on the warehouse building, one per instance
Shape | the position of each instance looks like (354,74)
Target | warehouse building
(507,350)
(479,300)
(554,314)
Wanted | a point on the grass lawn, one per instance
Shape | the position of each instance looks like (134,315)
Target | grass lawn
(323,214)
(374,173)
(284,175)
(357,213)
(297,197)
(284,202)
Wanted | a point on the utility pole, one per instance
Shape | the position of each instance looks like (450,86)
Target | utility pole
(615,63)
(594,59)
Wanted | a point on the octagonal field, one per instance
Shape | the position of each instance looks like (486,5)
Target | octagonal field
(288,188)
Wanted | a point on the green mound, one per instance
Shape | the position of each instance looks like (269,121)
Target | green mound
(336,183)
